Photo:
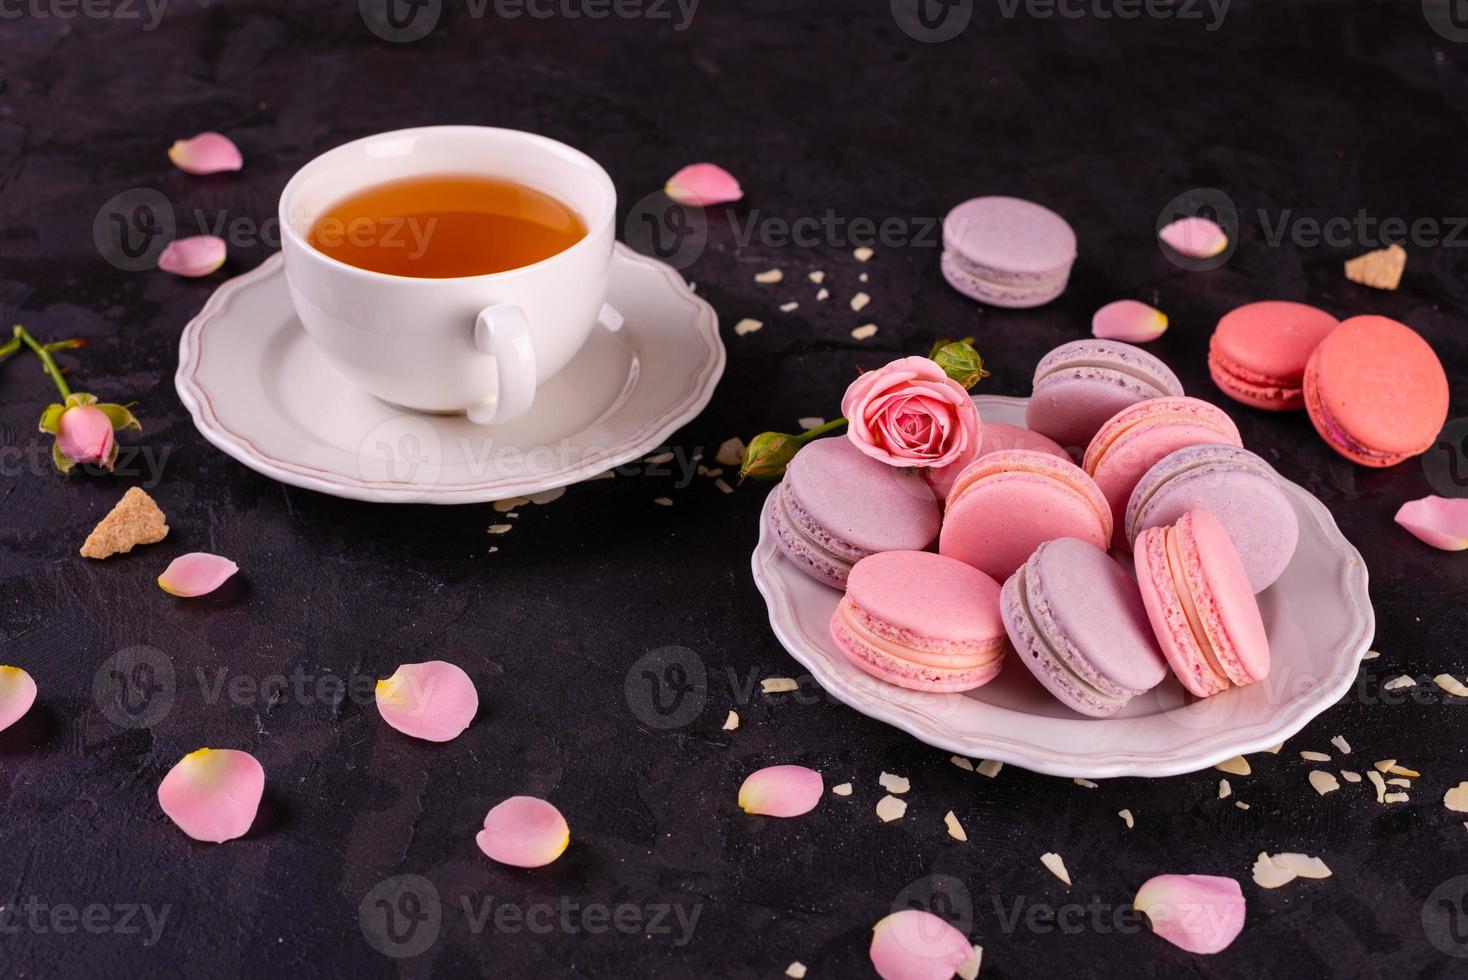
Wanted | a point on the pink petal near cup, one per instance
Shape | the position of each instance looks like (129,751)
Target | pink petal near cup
(525,832)
(1439,521)
(193,257)
(1128,320)
(434,701)
(914,944)
(1198,913)
(781,791)
(1197,238)
(213,794)
(703,184)
(207,153)
(17,694)
(195,574)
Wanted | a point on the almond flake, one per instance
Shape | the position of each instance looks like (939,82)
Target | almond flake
(1350,777)
(955,829)
(659,459)
(1323,781)
(1224,789)
(988,767)
(795,971)
(1241,804)
(863,277)
(842,790)
(1379,783)
(509,504)
(1397,770)
(779,685)
(1456,799)
(1370,654)
(817,277)
(859,302)
(1237,766)
(1056,866)
(723,486)
(1314,756)
(890,808)
(604,475)
(823,293)
(501,528)
(1399,682)
(1274,749)
(1127,816)
(1302,865)
(731,722)
(789,307)
(1396,798)
(731,452)
(1085,782)
(1340,742)
(1267,874)
(1399,781)
(810,422)
(893,784)
(1451,684)
(1381,269)
(864,331)
(862,254)
(771,275)
(663,501)
(555,493)
(1384,764)
(961,762)
(747,326)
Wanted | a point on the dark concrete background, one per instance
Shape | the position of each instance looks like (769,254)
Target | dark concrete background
(1308,110)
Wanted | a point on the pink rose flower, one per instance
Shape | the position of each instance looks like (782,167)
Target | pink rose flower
(84,435)
(910,413)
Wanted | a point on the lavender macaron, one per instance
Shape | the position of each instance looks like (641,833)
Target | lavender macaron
(1079,385)
(836,505)
(1077,621)
(1004,251)
(1238,487)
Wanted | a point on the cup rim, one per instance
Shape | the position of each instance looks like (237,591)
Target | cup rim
(606,215)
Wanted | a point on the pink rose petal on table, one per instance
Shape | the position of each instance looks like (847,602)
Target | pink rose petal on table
(17,694)
(196,256)
(213,794)
(207,153)
(1197,238)
(195,574)
(917,945)
(781,791)
(525,832)
(434,700)
(1198,913)
(1128,320)
(702,184)
(1439,521)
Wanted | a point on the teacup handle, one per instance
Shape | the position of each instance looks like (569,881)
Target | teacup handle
(502,332)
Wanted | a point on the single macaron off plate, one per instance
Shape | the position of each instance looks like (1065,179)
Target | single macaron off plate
(1134,439)
(1007,252)
(1258,352)
(1077,621)
(1376,391)
(1004,505)
(1235,486)
(1201,604)
(837,505)
(921,621)
(1079,385)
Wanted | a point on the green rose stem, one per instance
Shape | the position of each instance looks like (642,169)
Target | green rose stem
(768,453)
(43,351)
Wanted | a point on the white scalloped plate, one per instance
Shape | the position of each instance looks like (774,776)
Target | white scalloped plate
(260,390)
(1319,619)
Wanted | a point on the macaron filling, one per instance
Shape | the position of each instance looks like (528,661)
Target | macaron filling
(810,529)
(1116,372)
(1018,286)
(908,645)
(1065,666)
(1182,586)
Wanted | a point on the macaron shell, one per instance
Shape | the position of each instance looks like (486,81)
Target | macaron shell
(823,566)
(1169,619)
(1009,234)
(1079,385)
(1222,597)
(1376,391)
(996,437)
(862,501)
(1007,503)
(1258,352)
(1237,487)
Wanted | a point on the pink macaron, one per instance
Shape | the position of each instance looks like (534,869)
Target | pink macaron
(921,621)
(1079,385)
(1077,621)
(1376,391)
(1258,352)
(1134,439)
(996,436)
(1201,604)
(836,505)
(1005,504)
(1005,251)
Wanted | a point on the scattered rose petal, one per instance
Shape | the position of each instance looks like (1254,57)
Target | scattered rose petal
(865,331)
(1456,799)
(434,701)
(731,722)
(781,791)
(988,767)
(195,574)
(915,944)
(890,808)
(196,256)
(1439,521)
(525,832)
(1237,766)
(1323,782)
(1056,865)
(955,829)
(1127,816)
(961,762)
(1339,741)
(747,326)
(1405,680)
(795,971)
(1381,269)
(731,452)
(859,302)
(894,784)
(779,685)
(207,153)
(844,789)
(1451,684)
(1198,913)
(17,694)
(1197,238)
(213,794)
(703,184)
(862,254)
(1128,320)
(1224,789)
(769,276)
(1314,756)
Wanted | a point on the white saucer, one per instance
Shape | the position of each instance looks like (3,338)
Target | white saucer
(1318,615)
(260,390)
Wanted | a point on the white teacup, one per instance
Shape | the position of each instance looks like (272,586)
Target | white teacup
(476,344)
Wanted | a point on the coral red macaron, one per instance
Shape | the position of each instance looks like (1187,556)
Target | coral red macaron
(1201,604)
(921,621)
(1376,392)
(1258,352)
